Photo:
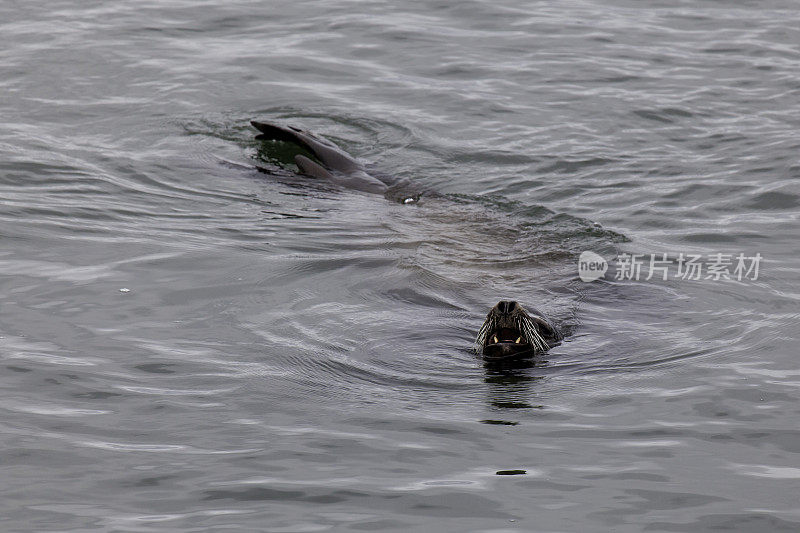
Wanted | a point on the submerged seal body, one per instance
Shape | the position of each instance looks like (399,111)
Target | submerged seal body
(511,331)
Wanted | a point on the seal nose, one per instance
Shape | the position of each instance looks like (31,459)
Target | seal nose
(505,307)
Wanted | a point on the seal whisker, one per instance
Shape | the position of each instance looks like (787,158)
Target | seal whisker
(483,333)
(526,326)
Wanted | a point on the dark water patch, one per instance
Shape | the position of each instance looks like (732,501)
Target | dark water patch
(672,500)
(693,193)
(381,525)
(156,368)
(631,476)
(260,494)
(444,504)
(459,157)
(709,238)
(667,115)
(14,368)
(12,457)
(574,166)
(96,395)
(774,200)
(734,521)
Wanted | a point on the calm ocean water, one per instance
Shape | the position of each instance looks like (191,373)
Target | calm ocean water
(190,345)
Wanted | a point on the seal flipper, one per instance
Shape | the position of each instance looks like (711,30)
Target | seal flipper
(333,163)
(328,153)
(275,133)
(311,168)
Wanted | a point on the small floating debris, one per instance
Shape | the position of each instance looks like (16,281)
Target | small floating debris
(499,422)
(511,472)
(124,289)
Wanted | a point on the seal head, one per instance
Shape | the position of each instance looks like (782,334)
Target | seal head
(511,331)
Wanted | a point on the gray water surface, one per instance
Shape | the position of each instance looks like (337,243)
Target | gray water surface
(189,344)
